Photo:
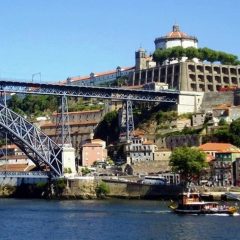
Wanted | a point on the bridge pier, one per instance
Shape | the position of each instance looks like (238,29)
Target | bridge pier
(68,159)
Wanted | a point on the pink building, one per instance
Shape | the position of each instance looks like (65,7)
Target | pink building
(94,151)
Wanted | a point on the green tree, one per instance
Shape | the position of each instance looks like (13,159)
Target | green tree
(102,189)
(235,127)
(177,53)
(191,52)
(188,162)
(234,130)
(222,122)
(204,54)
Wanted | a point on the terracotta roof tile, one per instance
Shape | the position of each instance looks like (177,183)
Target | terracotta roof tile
(71,124)
(148,143)
(91,145)
(82,78)
(79,112)
(13,167)
(219,147)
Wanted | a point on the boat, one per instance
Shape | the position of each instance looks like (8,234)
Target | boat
(191,203)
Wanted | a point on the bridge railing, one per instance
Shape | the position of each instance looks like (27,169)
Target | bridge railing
(22,173)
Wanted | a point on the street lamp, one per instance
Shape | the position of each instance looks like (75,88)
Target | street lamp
(35,74)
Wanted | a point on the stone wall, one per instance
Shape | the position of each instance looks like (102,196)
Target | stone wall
(171,142)
(142,191)
(81,188)
(212,99)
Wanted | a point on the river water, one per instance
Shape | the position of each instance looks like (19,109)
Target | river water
(110,220)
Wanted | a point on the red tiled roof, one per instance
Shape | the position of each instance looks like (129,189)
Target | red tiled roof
(148,143)
(10,146)
(177,34)
(222,107)
(82,78)
(219,147)
(13,167)
(46,125)
(78,112)
(91,145)
(14,157)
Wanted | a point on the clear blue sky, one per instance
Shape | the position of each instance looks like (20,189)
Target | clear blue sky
(62,38)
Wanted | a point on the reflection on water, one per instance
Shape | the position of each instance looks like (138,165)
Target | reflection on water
(113,219)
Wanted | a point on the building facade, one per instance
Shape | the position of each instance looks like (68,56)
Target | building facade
(224,173)
(81,125)
(139,150)
(189,76)
(93,151)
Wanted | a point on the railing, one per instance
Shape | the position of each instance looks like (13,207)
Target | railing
(24,174)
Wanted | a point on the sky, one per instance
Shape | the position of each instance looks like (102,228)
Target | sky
(50,40)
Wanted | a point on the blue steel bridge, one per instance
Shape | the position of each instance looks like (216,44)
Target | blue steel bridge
(41,149)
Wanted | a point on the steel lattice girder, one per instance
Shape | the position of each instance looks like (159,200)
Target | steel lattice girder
(34,143)
(90,91)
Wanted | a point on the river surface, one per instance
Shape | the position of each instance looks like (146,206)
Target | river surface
(110,220)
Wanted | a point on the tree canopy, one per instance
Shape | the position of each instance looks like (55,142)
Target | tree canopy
(227,133)
(188,162)
(204,54)
(40,105)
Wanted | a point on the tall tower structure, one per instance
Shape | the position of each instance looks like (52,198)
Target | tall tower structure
(140,59)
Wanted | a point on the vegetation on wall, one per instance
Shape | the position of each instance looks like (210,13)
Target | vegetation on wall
(102,189)
(204,54)
(108,129)
(225,133)
(32,105)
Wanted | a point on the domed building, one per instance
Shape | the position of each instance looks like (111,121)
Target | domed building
(176,38)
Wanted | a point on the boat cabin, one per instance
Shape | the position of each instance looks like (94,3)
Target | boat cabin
(187,198)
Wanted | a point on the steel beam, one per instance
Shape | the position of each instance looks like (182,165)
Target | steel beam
(89,91)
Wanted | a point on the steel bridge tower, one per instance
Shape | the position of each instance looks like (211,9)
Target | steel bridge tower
(127,122)
(62,134)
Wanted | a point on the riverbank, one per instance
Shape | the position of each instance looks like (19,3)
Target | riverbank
(98,188)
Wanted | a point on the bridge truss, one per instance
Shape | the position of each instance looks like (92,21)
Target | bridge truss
(34,143)
(38,146)
(89,91)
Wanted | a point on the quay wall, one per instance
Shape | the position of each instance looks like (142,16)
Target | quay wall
(17,181)
(86,188)
(142,191)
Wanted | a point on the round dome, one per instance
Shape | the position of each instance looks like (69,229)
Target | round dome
(176,33)
(175,38)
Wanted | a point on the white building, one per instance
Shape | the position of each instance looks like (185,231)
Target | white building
(176,38)
(99,78)
(140,150)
